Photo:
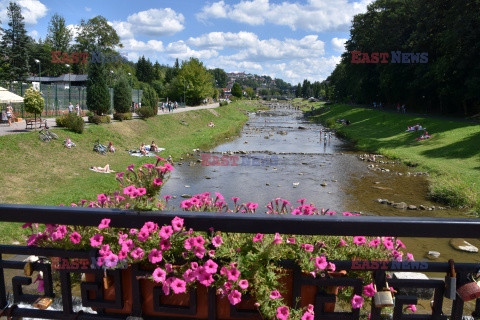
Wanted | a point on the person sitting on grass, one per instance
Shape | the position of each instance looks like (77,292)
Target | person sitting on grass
(143,149)
(211,124)
(153,147)
(111,148)
(424,136)
(69,143)
(105,169)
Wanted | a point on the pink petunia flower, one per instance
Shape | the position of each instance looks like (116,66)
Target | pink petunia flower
(96,240)
(412,307)
(177,224)
(307,316)
(157,182)
(321,262)
(283,313)
(155,256)
(104,224)
(278,239)
(233,274)
(137,253)
(159,275)
(258,238)
(178,286)
(275,295)
(75,237)
(243,284)
(210,266)
(359,240)
(357,302)
(165,232)
(369,290)
(217,241)
(235,297)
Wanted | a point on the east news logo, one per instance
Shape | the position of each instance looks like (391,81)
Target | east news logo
(383,57)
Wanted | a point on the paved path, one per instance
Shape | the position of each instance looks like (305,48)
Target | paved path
(19,127)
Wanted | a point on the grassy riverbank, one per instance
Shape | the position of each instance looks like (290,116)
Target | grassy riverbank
(452,155)
(40,173)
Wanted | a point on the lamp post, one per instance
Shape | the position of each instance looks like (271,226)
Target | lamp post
(111,78)
(39,74)
(184,101)
(69,83)
(130,79)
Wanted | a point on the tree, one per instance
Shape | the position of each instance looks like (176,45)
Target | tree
(250,92)
(298,90)
(98,95)
(34,102)
(194,78)
(145,70)
(220,77)
(237,90)
(97,33)
(13,48)
(58,38)
(122,96)
(149,97)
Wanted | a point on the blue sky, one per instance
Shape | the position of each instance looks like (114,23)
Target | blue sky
(287,39)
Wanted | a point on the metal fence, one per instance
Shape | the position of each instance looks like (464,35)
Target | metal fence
(242,223)
(58,96)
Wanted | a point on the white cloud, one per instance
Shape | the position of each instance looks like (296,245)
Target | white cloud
(34,34)
(339,44)
(220,40)
(88,9)
(74,30)
(124,29)
(254,49)
(315,15)
(215,10)
(149,46)
(32,10)
(155,22)
(182,51)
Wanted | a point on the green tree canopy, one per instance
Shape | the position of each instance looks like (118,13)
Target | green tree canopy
(33,101)
(237,90)
(98,95)
(194,78)
(97,33)
(122,95)
(220,77)
(149,97)
(14,45)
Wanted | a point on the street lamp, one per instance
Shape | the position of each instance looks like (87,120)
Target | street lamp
(39,74)
(111,79)
(69,83)
(130,78)
(184,101)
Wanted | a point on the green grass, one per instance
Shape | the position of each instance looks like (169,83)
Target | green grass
(452,155)
(34,172)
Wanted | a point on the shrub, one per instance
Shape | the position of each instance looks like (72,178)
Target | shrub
(223,103)
(99,119)
(146,112)
(123,116)
(122,96)
(72,122)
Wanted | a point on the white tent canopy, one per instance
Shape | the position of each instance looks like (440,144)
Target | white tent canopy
(9,97)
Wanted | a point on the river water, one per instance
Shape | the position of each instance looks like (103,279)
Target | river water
(286,157)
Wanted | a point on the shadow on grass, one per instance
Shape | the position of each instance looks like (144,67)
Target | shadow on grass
(466,148)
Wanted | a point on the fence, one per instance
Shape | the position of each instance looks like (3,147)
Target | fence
(58,96)
(251,223)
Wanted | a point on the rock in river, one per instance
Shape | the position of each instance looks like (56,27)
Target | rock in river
(432,255)
(186,196)
(463,245)
(400,205)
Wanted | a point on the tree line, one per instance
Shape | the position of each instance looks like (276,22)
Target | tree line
(447,31)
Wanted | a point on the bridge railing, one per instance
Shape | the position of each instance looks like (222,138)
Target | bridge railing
(417,227)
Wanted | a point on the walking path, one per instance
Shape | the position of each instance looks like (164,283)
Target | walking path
(19,127)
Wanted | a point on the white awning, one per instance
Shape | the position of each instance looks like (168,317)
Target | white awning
(9,97)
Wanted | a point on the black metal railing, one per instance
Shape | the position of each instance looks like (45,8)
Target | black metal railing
(227,222)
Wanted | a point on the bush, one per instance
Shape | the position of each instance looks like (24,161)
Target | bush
(99,119)
(223,103)
(122,96)
(123,116)
(146,112)
(89,113)
(72,122)
(233,98)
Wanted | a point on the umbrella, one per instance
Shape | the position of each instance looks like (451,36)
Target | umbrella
(9,97)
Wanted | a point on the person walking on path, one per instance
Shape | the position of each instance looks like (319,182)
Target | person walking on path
(70,108)
(9,114)
(78,109)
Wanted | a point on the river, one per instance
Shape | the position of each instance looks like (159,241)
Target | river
(286,157)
